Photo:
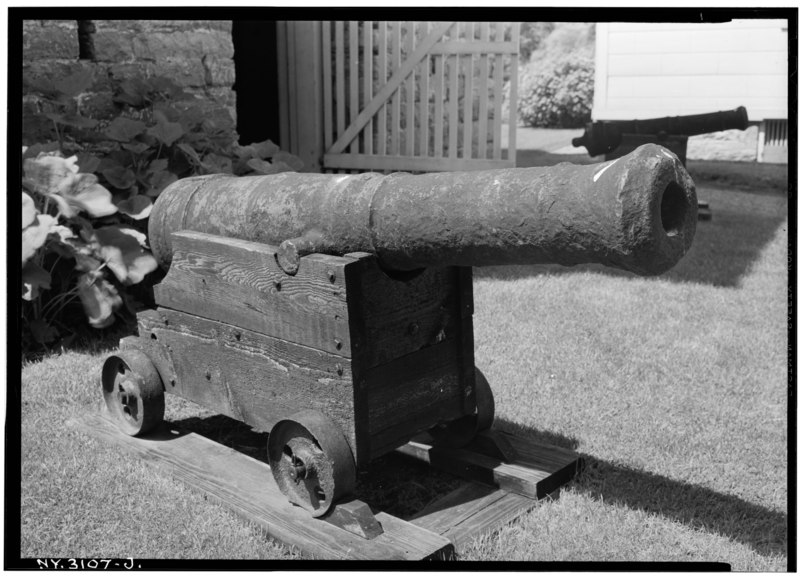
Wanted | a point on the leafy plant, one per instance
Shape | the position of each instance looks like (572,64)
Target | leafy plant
(559,95)
(84,232)
(57,203)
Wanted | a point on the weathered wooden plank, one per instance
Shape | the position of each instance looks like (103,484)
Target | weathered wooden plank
(471,510)
(327,83)
(489,518)
(253,378)
(461,47)
(497,93)
(401,317)
(381,80)
(283,81)
(410,93)
(353,71)
(456,506)
(483,94)
(469,34)
(411,394)
(389,88)
(512,98)
(239,282)
(413,164)
(245,485)
(438,106)
(452,101)
(291,46)
(340,80)
(394,132)
(424,99)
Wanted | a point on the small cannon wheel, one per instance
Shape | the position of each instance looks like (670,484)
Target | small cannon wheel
(460,432)
(311,461)
(133,392)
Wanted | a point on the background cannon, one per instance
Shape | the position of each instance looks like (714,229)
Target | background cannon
(335,312)
(636,214)
(605,136)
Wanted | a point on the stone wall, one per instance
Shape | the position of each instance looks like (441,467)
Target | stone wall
(195,54)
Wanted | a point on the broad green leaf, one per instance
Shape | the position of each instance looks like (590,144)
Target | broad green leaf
(88,162)
(85,262)
(160,181)
(34,279)
(289,159)
(136,147)
(261,166)
(75,83)
(34,150)
(89,196)
(191,155)
(218,164)
(123,254)
(99,299)
(65,209)
(49,174)
(166,132)
(43,332)
(28,210)
(132,91)
(75,120)
(124,129)
(35,235)
(137,207)
(157,165)
(119,176)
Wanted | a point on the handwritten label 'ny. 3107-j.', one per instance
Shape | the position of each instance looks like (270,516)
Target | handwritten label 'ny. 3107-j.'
(86,564)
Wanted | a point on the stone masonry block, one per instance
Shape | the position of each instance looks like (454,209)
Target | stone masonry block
(53,39)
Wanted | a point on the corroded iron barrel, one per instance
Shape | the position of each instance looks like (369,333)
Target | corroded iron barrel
(604,136)
(637,213)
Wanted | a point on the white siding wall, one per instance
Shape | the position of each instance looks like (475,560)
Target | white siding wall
(646,70)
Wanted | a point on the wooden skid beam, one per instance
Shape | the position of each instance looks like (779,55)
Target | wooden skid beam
(536,470)
(471,510)
(245,485)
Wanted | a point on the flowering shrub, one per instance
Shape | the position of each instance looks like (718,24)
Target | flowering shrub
(558,93)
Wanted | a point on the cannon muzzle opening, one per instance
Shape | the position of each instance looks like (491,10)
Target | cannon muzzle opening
(636,213)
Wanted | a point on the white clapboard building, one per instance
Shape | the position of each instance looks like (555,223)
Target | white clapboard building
(650,70)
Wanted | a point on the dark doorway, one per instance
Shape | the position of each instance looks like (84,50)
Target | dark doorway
(255,60)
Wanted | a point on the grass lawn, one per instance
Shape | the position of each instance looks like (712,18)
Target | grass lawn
(674,389)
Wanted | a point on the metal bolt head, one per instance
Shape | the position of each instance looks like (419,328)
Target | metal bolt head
(339,369)
(413,328)
(331,276)
(338,343)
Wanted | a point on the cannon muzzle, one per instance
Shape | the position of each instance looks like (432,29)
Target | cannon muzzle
(636,213)
(603,137)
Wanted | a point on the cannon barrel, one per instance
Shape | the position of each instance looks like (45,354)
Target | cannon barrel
(604,136)
(636,213)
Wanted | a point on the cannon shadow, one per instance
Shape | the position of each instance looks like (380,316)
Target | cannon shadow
(763,529)
(403,487)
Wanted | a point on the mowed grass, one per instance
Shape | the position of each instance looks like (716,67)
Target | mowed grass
(674,389)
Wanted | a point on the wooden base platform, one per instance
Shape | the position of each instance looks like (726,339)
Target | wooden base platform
(245,485)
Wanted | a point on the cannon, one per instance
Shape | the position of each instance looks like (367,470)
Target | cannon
(603,137)
(335,311)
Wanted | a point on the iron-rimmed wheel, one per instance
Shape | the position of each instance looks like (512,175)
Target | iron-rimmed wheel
(460,432)
(311,461)
(133,392)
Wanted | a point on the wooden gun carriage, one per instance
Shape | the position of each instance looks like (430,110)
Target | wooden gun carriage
(335,312)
